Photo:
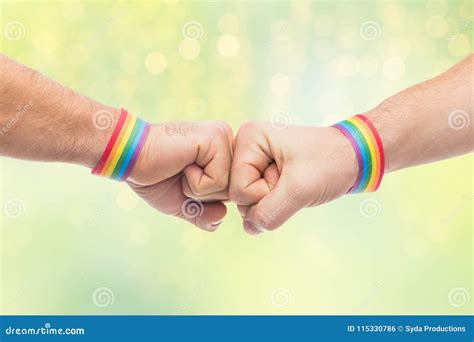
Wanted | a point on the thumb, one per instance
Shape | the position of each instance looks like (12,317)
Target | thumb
(275,208)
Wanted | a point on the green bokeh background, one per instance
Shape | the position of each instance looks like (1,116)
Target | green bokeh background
(65,235)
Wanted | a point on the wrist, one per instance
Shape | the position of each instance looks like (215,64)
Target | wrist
(346,160)
(388,134)
(124,146)
(97,123)
(367,145)
(393,120)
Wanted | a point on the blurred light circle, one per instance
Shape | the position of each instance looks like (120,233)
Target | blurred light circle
(347,66)
(46,43)
(280,84)
(189,49)
(301,11)
(323,49)
(72,11)
(100,89)
(437,6)
(399,48)
(465,10)
(333,101)
(126,86)
(195,107)
(459,45)
(298,60)
(436,26)
(323,25)
(229,24)
(155,63)
(228,45)
(393,68)
(394,17)
(368,65)
(279,26)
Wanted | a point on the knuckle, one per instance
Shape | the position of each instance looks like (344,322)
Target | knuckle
(222,183)
(237,194)
(194,190)
(234,194)
(250,125)
(224,125)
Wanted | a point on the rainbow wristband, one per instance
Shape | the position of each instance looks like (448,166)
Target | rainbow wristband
(369,151)
(123,148)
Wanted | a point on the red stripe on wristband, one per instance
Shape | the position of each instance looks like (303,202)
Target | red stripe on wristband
(380,147)
(98,169)
(124,147)
(368,147)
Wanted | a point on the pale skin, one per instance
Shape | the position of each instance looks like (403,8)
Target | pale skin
(277,172)
(178,160)
(270,173)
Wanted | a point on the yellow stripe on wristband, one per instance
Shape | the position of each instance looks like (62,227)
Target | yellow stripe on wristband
(123,142)
(124,147)
(369,137)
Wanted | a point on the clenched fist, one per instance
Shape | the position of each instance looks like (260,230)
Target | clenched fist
(276,172)
(182,161)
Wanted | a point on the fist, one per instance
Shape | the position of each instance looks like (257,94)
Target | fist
(276,172)
(183,170)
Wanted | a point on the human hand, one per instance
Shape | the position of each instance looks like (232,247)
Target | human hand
(182,161)
(276,172)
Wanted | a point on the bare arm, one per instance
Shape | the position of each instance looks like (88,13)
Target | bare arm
(277,172)
(430,121)
(42,120)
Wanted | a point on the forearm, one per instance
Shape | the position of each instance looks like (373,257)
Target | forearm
(416,125)
(42,120)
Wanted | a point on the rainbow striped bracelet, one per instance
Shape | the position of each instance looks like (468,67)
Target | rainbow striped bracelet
(123,148)
(369,151)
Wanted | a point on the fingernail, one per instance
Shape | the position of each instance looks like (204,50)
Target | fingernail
(251,228)
(215,224)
